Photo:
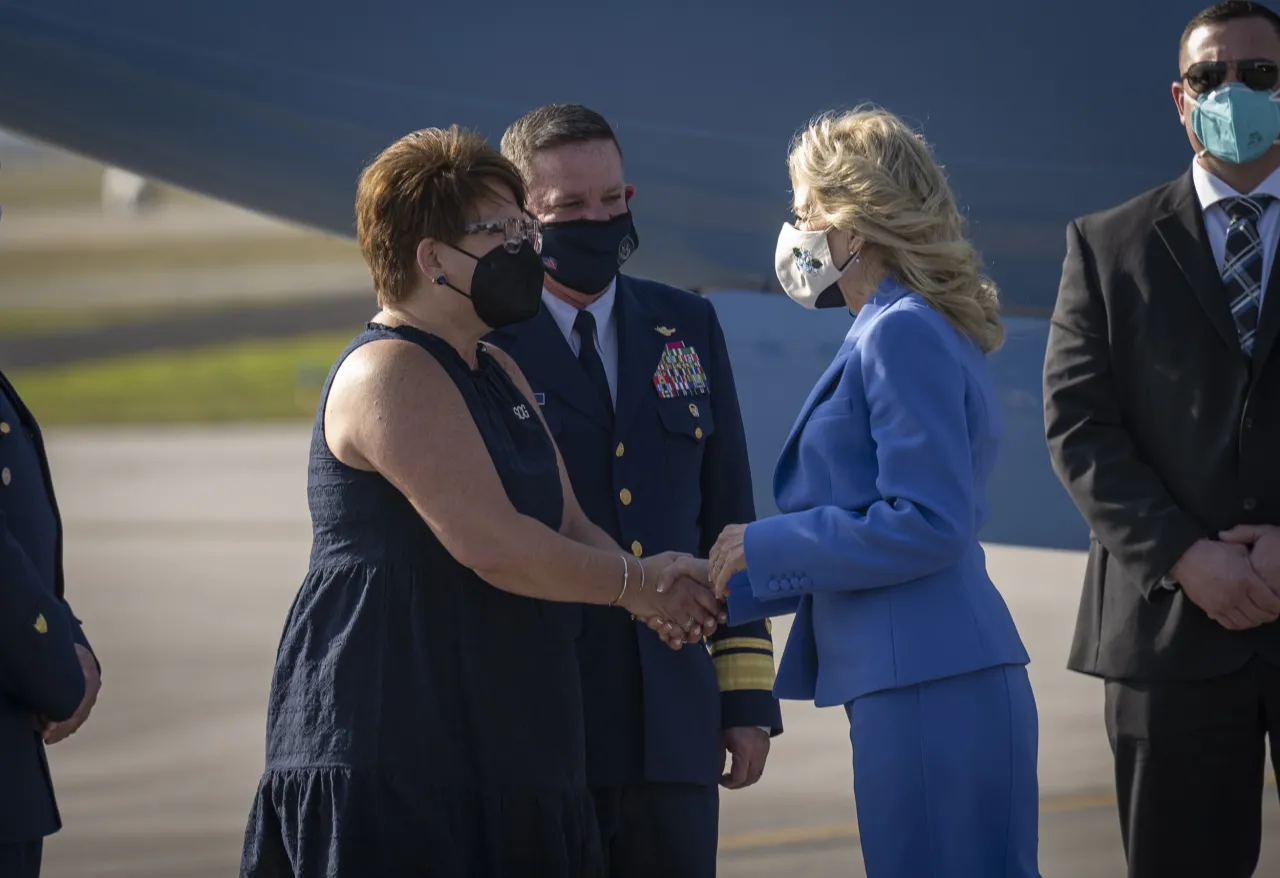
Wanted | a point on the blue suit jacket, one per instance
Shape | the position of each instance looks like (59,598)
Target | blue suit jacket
(881,487)
(40,673)
(652,713)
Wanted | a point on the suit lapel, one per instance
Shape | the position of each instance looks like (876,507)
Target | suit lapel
(28,421)
(640,348)
(544,355)
(889,291)
(8,390)
(1269,320)
(1183,232)
(37,438)
(832,371)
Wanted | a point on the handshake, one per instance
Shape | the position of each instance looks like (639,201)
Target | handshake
(686,602)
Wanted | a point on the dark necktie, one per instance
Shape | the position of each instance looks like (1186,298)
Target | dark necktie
(1242,265)
(589,357)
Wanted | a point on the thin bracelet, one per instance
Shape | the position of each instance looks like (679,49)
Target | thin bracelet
(642,578)
(626,575)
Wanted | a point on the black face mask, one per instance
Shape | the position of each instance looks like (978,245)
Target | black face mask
(585,255)
(506,287)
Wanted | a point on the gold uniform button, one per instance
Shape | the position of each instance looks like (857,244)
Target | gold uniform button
(625,496)
(618,451)
(5,428)
(637,549)
(698,432)
(6,476)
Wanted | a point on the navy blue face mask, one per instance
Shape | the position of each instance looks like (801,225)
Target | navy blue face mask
(585,255)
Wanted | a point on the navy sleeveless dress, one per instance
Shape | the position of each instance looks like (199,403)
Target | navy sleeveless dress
(422,722)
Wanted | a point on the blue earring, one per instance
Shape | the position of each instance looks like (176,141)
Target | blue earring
(439,279)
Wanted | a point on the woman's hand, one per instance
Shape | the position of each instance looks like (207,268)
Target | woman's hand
(673,598)
(667,633)
(728,557)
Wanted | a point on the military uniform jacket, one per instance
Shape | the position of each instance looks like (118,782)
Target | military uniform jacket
(40,674)
(669,475)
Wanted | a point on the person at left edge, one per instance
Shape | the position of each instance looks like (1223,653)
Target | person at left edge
(49,677)
(634,381)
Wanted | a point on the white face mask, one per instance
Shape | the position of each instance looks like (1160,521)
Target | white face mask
(806,270)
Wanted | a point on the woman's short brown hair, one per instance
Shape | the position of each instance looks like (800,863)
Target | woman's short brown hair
(425,185)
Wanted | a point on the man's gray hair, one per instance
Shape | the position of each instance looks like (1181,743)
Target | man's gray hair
(551,126)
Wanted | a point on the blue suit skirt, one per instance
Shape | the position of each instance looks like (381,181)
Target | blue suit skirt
(945,777)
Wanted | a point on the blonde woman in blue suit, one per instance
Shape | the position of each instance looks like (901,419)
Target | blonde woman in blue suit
(881,487)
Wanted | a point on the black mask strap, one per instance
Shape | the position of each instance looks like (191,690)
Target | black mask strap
(444,281)
(831,297)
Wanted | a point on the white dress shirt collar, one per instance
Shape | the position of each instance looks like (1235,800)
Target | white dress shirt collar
(1210,190)
(565,314)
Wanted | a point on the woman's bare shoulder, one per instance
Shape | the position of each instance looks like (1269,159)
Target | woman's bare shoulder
(385,367)
(385,389)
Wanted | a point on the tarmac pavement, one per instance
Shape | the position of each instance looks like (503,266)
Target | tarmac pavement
(184,549)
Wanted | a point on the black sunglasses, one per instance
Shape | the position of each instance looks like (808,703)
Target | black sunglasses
(1257,74)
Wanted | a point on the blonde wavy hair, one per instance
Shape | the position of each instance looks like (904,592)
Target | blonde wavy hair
(870,174)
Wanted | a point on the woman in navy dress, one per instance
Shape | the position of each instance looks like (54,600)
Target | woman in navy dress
(424,716)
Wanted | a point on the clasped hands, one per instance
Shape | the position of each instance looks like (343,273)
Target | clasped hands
(688,597)
(55,732)
(1235,579)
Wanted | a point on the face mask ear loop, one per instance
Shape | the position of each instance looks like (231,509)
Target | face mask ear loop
(1195,102)
(444,281)
(1274,97)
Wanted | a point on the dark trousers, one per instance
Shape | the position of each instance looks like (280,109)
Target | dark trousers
(1190,764)
(659,829)
(22,859)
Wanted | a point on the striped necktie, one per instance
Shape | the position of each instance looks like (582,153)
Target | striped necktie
(1242,265)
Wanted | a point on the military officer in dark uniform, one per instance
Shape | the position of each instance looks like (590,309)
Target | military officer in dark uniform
(49,678)
(634,381)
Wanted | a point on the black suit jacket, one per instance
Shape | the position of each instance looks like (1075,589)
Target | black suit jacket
(1160,428)
(40,672)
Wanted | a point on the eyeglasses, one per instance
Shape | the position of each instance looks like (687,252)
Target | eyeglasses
(1257,74)
(515,231)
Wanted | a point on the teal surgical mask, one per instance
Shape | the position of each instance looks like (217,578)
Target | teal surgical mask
(1236,123)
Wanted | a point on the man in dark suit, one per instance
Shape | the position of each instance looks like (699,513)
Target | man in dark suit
(1162,413)
(49,678)
(634,380)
